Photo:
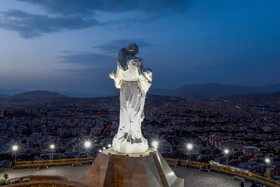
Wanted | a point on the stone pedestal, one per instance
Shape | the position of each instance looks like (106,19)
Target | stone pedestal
(115,169)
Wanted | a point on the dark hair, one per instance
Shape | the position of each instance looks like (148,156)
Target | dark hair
(132,49)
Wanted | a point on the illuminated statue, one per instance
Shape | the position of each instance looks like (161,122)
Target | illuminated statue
(133,82)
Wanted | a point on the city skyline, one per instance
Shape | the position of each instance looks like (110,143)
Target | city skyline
(73,48)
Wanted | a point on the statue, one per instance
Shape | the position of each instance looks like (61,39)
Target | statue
(133,82)
(118,166)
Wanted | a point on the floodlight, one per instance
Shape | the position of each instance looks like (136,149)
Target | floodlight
(155,144)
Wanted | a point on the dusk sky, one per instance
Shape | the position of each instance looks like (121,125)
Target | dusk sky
(72,45)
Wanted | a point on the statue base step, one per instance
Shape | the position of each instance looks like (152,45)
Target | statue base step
(113,169)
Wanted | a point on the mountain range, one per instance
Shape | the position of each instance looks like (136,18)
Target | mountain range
(199,91)
(45,97)
(214,90)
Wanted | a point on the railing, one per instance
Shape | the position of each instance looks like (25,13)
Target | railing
(47,163)
(227,170)
(213,167)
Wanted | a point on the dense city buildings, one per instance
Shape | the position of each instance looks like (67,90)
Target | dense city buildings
(250,131)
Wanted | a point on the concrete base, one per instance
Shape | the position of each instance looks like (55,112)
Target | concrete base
(115,169)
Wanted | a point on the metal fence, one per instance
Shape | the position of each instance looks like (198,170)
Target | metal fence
(229,170)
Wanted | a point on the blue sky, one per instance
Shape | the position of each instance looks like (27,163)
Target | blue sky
(71,46)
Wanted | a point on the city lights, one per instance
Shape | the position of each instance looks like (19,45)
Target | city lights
(267,160)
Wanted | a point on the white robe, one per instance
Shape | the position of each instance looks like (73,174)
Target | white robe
(134,83)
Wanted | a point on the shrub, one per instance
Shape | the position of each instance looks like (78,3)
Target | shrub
(3,182)
(13,181)
(16,181)
(6,176)
(26,180)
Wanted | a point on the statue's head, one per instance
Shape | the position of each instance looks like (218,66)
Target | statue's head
(132,49)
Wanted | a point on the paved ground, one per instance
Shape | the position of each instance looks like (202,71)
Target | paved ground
(193,178)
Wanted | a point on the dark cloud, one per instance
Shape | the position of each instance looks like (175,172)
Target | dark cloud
(115,45)
(156,7)
(32,25)
(79,14)
(92,59)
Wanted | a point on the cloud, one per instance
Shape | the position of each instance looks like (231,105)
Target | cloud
(114,46)
(89,59)
(33,25)
(80,14)
(67,7)
(99,61)
(87,70)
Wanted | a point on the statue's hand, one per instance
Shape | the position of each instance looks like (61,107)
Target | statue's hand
(148,74)
(112,75)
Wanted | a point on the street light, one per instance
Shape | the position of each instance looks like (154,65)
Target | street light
(109,145)
(189,148)
(155,144)
(87,146)
(15,148)
(227,153)
(52,146)
(267,161)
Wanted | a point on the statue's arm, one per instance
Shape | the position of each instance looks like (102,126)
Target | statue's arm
(117,76)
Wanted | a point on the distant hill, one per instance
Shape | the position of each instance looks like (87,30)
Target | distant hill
(43,97)
(3,96)
(34,96)
(214,90)
(189,91)
(260,99)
